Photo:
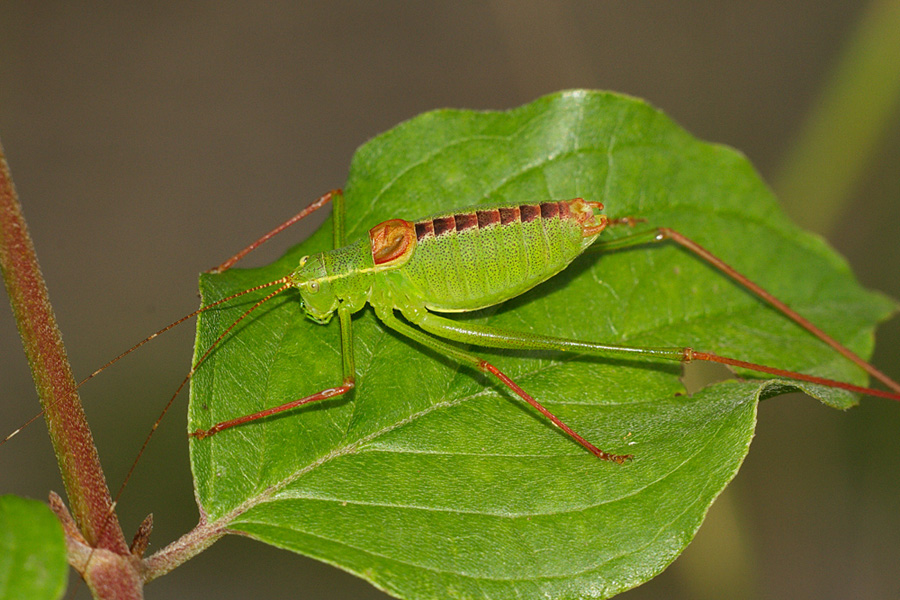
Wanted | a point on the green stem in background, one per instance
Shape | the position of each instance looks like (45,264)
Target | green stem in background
(845,125)
(72,441)
(842,130)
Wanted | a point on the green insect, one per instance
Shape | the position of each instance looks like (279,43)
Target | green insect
(462,261)
(467,260)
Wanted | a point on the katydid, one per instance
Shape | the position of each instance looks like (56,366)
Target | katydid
(470,259)
(463,261)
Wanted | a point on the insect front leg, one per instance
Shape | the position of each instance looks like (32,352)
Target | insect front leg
(349,382)
(347,363)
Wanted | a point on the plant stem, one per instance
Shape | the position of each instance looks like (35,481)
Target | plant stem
(846,123)
(201,537)
(72,442)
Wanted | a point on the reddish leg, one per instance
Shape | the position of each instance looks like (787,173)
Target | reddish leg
(348,366)
(323,395)
(616,458)
(662,234)
(386,314)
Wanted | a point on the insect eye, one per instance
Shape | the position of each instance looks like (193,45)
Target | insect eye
(313,286)
(303,260)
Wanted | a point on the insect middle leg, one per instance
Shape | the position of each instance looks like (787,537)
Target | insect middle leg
(388,318)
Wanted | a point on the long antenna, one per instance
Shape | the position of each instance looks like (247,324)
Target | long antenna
(282,280)
(287,284)
(286,281)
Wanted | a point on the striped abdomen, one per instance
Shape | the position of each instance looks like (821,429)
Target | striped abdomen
(475,258)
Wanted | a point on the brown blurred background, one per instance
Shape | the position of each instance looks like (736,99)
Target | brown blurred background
(148,142)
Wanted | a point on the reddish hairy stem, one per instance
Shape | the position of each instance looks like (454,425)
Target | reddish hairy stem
(72,441)
(145,341)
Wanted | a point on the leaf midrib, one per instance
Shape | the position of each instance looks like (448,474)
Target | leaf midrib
(670,473)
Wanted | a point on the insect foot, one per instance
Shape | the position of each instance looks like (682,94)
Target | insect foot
(201,433)
(618,458)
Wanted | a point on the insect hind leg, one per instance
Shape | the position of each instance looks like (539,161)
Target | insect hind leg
(666,234)
(388,318)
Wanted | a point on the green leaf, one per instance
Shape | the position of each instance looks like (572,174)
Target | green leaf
(32,551)
(431,479)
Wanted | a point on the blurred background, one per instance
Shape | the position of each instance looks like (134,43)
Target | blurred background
(148,141)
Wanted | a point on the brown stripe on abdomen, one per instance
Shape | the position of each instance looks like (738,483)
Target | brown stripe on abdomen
(465,221)
(444,224)
(508,215)
(504,215)
(488,217)
(424,229)
(529,212)
(459,222)
(549,210)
